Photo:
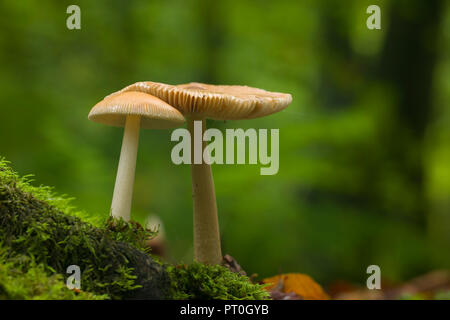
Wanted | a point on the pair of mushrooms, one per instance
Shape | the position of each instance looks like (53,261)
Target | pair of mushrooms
(153,105)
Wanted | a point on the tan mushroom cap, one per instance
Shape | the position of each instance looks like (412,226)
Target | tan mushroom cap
(155,113)
(220,102)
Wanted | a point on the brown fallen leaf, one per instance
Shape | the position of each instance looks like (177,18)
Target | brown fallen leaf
(294,286)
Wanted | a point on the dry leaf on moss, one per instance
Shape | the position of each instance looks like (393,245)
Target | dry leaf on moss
(231,263)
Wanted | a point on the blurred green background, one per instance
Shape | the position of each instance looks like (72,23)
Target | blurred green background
(364,148)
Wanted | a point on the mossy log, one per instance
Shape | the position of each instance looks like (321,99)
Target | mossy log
(41,235)
(32,223)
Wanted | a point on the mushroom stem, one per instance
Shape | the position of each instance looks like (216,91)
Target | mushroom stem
(206,226)
(123,189)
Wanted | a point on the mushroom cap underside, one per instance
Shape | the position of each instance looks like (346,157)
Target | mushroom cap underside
(154,113)
(220,102)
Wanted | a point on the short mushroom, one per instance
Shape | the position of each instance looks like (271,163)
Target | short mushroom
(198,101)
(132,110)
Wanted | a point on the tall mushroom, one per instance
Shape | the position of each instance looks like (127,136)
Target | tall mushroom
(132,110)
(198,101)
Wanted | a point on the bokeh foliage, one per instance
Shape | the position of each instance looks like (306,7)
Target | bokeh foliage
(364,148)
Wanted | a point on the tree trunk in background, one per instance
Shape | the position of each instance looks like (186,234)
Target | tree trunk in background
(407,64)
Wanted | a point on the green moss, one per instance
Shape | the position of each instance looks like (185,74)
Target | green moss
(129,232)
(21,278)
(199,281)
(35,222)
(43,193)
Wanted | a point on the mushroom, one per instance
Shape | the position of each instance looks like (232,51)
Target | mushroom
(132,110)
(198,101)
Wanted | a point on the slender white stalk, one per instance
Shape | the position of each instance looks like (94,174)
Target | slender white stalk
(123,189)
(206,226)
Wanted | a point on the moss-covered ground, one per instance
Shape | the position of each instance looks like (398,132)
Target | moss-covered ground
(41,234)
